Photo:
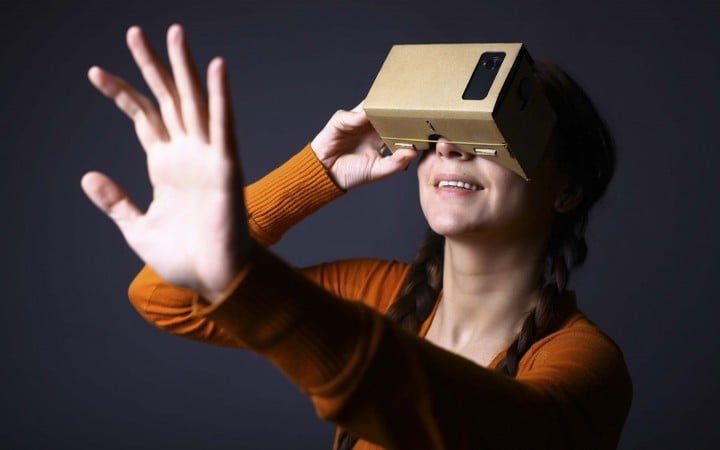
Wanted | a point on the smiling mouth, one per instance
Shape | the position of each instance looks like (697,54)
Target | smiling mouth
(458,185)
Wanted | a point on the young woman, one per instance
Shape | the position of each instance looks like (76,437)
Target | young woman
(477,344)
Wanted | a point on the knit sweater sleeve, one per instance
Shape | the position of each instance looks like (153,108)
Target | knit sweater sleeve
(401,392)
(287,195)
(275,203)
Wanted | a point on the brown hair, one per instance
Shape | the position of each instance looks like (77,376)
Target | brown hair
(585,152)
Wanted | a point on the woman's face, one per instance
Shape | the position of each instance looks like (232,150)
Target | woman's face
(462,195)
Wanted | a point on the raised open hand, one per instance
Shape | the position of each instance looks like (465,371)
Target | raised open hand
(194,233)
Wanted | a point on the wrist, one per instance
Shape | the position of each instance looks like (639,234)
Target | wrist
(235,275)
(319,146)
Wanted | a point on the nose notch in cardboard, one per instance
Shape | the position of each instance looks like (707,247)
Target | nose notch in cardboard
(483,98)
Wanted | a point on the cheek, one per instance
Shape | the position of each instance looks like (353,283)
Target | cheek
(422,196)
(514,199)
(435,213)
(423,165)
(507,190)
(530,204)
(423,176)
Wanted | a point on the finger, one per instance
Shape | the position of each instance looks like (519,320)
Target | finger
(222,135)
(398,161)
(192,100)
(359,107)
(109,198)
(349,121)
(157,78)
(137,107)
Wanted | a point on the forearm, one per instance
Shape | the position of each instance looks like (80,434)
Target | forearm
(274,204)
(286,195)
(381,383)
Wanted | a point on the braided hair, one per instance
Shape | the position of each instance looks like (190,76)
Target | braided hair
(585,152)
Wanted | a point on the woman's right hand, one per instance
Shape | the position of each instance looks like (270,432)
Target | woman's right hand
(352,151)
(194,233)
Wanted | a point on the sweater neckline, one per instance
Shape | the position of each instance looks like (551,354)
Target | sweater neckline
(426,326)
(501,355)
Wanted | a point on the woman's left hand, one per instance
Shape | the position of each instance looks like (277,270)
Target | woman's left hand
(194,233)
(352,151)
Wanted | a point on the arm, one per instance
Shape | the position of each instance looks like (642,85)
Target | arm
(374,282)
(195,233)
(361,370)
(274,203)
(288,194)
(396,390)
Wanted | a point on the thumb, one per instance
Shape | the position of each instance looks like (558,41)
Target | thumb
(109,197)
(398,161)
(360,107)
(350,120)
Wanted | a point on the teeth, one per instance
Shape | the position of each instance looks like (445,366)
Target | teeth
(458,184)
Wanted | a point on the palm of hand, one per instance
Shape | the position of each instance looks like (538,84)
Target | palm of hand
(194,232)
(185,231)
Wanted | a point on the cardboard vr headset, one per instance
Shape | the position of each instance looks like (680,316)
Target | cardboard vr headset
(483,98)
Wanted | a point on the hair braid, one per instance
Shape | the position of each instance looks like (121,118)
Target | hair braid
(422,285)
(586,153)
(553,305)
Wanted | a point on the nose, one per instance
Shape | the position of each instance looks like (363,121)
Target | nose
(450,151)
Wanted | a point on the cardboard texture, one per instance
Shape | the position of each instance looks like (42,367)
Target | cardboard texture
(483,98)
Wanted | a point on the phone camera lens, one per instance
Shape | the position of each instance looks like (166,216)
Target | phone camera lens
(492,63)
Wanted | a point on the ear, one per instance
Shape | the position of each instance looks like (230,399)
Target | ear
(568,198)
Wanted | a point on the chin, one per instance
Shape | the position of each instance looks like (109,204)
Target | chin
(449,227)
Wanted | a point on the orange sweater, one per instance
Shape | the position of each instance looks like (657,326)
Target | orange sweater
(364,373)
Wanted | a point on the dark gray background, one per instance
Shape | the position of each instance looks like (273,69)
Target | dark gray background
(81,370)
